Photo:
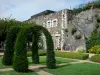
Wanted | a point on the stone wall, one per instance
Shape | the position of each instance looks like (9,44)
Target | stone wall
(57,22)
(85,23)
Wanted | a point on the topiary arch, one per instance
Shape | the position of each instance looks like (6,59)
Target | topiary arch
(20,62)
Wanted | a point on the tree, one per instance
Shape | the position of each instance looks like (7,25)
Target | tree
(5,24)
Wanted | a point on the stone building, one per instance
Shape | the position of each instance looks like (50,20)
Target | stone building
(68,31)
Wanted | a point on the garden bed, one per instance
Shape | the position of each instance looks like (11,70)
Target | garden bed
(71,55)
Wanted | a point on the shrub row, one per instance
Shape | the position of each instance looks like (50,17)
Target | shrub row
(72,55)
(63,54)
(95,58)
(41,53)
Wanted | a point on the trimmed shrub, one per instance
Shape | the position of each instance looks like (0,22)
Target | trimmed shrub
(95,49)
(9,51)
(63,54)
(95,58)
(72,55)
(40,53)
(51,62)
(20,63)
(81,51)
(35,56)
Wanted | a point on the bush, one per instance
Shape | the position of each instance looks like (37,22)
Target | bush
(93,40)
(72,55)
(77,36)
(66,30)
(98,19)
(95,58)
(41,53)
(81,51)
(97,26)
(94,4)
(63,54)
(95,49)
(73,30)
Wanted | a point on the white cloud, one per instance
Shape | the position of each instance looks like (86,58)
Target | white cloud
(23,9)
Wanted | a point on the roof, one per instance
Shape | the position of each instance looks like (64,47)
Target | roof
(46,12)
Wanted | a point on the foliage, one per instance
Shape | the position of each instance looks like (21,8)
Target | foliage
(93,40)
(81,51)
(20,63)
(40,53)
(60,54)
(51,62)
(95,4)
(72,55)
(95,58)
(98,19)
(95,49)
(77,36)
(5,24)
(97,26)
(35,56)
(73,30)
(9,51)
(66,30)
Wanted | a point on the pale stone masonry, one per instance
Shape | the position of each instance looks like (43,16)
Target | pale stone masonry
(61,23)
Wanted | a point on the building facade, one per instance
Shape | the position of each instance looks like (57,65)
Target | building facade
(68,31)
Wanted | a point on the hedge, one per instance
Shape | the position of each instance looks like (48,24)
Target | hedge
(40,53)
(20,61)
(9,51)
(63,54)
(72,55)
(95,58)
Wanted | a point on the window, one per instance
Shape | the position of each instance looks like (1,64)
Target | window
(48,24)
(54,23)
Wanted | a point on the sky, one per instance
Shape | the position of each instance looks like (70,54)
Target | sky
(23,9)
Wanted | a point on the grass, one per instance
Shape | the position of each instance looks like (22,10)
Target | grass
(3,66)
(42,61)
(58,60)
(70,69)
(16,73)
(77,69)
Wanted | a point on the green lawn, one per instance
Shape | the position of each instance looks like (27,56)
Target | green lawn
(42,61)
(70,69)
(16,73)
(77,69)
(3,66)
(58,60)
